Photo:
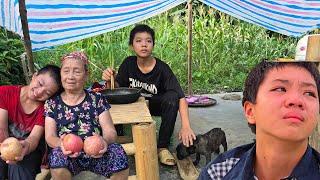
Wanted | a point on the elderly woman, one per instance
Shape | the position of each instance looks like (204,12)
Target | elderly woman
(82,113)
(21,116)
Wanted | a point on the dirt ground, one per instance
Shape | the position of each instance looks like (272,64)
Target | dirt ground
(226,114)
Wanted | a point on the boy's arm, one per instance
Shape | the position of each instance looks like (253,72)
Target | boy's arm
(30,143)
(34,138)
(186,134)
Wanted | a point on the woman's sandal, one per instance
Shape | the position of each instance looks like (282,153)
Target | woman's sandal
(166,157)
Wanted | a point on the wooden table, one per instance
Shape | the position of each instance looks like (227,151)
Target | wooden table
(144,146)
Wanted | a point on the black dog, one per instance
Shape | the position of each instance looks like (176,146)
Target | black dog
(205,144)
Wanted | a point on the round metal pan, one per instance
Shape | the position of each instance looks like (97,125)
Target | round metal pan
(121,95)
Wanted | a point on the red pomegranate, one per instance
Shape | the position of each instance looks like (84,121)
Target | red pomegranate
(93,145)
(72,143)
(10,148)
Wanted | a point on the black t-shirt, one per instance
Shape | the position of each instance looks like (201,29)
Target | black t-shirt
(155,83)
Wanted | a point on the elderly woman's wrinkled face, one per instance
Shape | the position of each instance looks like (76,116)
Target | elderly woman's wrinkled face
(73,74)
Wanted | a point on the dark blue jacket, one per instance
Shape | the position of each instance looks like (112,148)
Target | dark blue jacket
(238,164)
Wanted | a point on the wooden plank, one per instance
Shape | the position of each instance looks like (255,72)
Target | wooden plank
(133,177)
(124,139)
(186,168)
(129,148)
(132,113)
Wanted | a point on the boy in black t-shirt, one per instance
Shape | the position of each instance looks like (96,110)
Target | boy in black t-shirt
(160,87)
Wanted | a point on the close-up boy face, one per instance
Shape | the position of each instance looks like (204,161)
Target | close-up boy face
(142,44)
(287,104)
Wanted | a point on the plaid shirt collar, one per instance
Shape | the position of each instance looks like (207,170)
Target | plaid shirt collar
(240,166)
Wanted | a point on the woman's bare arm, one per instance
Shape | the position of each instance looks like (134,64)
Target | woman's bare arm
(108,130)
(50,133)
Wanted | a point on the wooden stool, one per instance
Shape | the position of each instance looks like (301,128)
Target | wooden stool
(144,145)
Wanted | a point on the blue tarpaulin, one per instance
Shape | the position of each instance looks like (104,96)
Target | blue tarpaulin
(58,22)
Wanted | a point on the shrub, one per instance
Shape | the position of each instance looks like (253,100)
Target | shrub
(11,48)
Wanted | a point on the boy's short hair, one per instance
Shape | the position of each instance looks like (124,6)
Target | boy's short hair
(259,72)
(139,29)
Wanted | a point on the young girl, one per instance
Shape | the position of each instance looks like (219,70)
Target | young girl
(21,116)
(160,87)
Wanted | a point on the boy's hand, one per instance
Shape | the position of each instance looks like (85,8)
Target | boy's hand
(106,74)
(187,136)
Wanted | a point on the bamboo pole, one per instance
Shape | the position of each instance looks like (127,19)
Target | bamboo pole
(26,36)
(112,66)
(146,158)
(190,47)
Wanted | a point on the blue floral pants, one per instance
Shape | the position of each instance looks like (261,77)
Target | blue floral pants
(114,160)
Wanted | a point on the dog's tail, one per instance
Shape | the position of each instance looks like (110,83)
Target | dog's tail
(224,142)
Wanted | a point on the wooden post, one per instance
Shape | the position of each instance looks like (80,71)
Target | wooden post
(190,47)
(23,59)
(313,54)
(313,48)
(146,158)
(26,36)
(315,138)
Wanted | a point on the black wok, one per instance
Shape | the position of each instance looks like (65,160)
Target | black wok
(121,95)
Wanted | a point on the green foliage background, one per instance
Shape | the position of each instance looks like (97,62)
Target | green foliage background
(11,48)
(224,48)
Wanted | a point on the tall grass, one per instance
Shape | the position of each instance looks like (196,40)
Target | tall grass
(224,48)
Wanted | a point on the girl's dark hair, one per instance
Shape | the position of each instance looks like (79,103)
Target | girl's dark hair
(139,29)
(54,72)
(259,72)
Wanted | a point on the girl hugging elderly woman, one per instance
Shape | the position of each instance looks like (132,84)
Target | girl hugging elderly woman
(82,113)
